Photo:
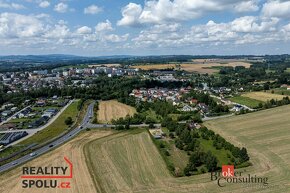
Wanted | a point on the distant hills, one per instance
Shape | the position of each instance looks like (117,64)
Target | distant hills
(33,62)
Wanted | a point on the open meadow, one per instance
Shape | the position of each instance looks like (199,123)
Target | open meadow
(249,102)
(110,110)
(263,96)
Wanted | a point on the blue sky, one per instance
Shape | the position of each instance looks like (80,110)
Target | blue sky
(138,27)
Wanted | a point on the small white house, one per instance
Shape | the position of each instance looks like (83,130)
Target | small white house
(187,108)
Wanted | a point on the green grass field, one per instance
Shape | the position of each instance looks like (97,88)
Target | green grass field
(130,162)
(252,103)
(288,70)
(222,154)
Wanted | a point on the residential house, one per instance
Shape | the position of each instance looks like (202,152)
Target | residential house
(6,113)
(40,103)
(203,108)
(187,108)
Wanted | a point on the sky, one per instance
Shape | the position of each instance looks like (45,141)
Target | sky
(144,27)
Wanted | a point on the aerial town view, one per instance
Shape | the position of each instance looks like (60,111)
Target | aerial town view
(144,96)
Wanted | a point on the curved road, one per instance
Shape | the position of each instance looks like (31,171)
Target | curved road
(53,144)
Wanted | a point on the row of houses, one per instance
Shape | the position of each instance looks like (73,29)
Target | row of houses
(151,94)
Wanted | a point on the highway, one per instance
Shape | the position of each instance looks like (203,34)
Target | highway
(63,139)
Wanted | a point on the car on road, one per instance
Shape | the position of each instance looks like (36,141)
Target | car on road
(33,154)
(81,127)
(50,146)
(14,163)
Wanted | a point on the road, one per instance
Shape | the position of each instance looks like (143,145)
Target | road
(53,144)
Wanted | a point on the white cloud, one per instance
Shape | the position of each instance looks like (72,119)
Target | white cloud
(58,31)
(247,6)
(93,9)
(243,30)
(104,26)
(287,27)
(14,25)
(84,30)
(166,11)
(276,8)
(44,4)
(131,14)
(252,24)
(61,8)
(8,5)
(116,38)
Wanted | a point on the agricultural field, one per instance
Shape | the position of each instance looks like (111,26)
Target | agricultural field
(10,182)
(266,136)
(107,65)
(129,162)
(199,67)
(211,67)
(263,96)
(280,91)
(112,110)
(252,103)
(155,66)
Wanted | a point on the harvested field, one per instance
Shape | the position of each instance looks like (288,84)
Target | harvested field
(129,162)
(10,182)
(107,65)
(263,96)
(109,110)
(155,66)
(211,68)
(199,67)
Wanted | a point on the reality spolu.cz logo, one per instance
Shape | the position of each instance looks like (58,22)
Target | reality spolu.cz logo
(48,177)
(228,175)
